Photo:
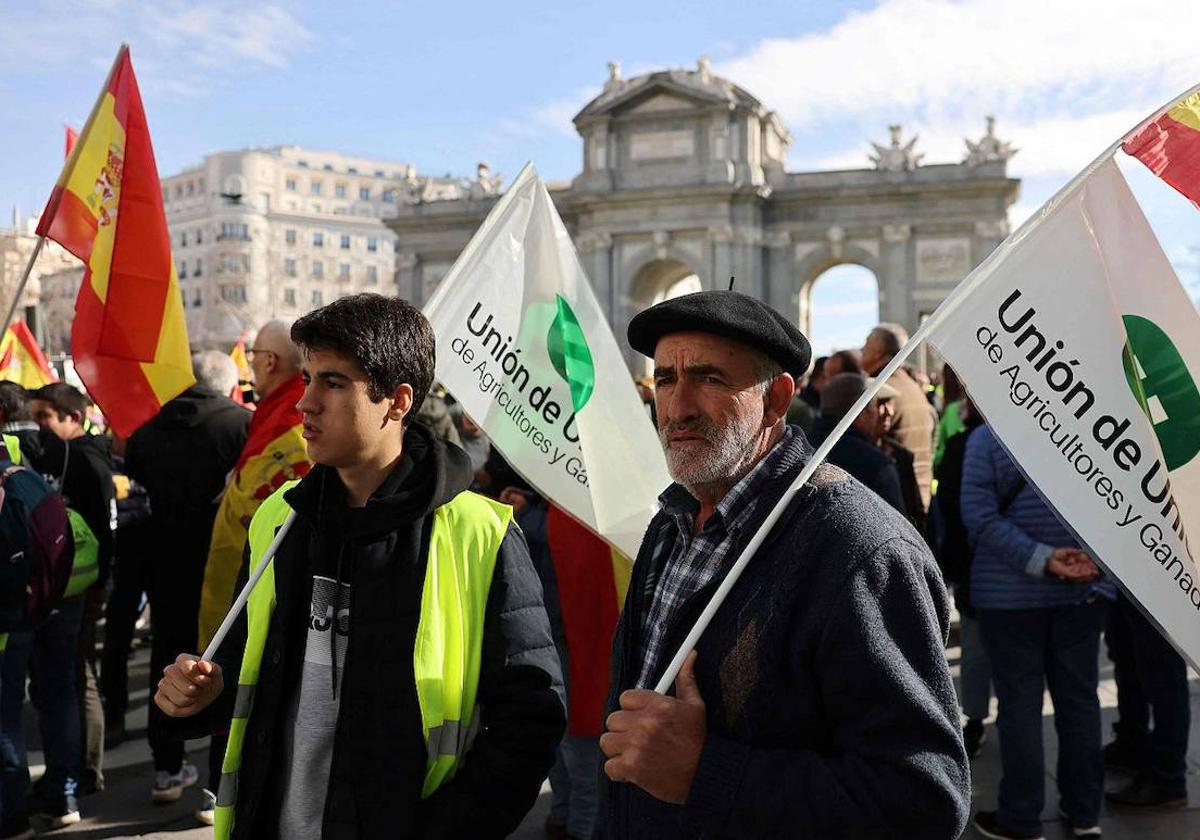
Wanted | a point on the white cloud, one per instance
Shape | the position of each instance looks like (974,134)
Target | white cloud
(935,58)
(188,45)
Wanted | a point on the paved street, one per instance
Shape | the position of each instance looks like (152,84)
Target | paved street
(124,810)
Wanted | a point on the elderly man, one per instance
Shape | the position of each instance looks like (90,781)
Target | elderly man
(914,418)
(274,453)
(818,703)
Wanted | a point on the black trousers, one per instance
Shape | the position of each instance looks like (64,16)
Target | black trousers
(131,565)
(176,578)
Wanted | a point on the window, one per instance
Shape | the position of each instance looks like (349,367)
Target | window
(328,167)
(345,242)
(378,173)
(353,170)
(289,236)
(197,300)
(372,275)
(315,188)
(289,267)
(318,269)
(191,188)
(318,297)
(339,190)
(234,293)
(389,196)
(344,271)
(182,270)
(183,296)
(318,239)
(289,297)
(199,269)
(178,191)
(290,184)
(183,239)
(372,244)
(235,230)
(199,236)
(302,163)
(364,193)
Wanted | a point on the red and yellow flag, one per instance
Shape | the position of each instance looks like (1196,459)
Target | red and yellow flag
(21,360)
(275,452)
(129,340)
(238,354)
(592,580)
(1169,145)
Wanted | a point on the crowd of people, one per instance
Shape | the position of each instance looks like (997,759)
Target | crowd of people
(376,686)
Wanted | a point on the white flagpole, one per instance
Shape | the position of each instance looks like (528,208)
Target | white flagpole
(12,307)
(244,595)
(951,303)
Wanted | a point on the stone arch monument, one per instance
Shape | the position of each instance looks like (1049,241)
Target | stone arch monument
(683,173)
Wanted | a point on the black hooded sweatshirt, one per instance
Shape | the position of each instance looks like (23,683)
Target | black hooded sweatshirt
(378,763)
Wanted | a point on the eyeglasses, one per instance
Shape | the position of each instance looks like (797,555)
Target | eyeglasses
(250,353)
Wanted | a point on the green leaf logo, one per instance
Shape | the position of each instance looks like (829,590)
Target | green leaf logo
(1163,387)
(570,355)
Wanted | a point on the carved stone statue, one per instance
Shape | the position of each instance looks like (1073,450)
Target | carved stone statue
(485,184)
(897,157)
(989,148)
(704,69)
(614,76)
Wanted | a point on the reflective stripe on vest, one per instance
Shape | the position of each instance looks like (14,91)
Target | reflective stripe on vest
(13,444)
(463,546)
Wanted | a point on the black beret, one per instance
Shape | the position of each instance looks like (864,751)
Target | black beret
(730,315)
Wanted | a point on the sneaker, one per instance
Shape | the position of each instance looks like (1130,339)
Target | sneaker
(207,813)
(973,736)
(1078,829)
(168,787)
(16,829)
(987,824)
(45,815)
(1149,794)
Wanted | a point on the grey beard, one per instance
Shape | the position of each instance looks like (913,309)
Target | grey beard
(724,463)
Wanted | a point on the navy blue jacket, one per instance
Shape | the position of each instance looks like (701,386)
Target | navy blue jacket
(831,712)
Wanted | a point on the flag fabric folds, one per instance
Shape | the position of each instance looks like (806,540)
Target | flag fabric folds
(275,452)
(129,340)
(238,354)
(592,578)
(525,347)
(1082,349)
(1169,145)
(21,360)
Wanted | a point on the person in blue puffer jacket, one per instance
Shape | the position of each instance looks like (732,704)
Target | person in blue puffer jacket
(1041,602)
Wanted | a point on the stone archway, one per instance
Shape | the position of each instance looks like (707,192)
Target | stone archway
(841,305)
(814,266)
(658,280)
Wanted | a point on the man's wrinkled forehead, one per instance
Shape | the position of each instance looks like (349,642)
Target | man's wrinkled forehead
(701,348)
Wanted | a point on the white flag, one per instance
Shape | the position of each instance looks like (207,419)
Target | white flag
(1082,349)
(524,346)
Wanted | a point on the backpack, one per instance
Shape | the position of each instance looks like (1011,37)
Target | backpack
(36,548)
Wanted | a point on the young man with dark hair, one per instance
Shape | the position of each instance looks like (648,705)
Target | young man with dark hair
(80,465)
(16,423)
(395,673)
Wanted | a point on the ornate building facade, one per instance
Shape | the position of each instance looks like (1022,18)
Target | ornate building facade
(684,184)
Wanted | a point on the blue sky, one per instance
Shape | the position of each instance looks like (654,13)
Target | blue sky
(444,85)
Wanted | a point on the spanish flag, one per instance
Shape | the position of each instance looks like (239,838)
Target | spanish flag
(244,393)
(129,340)
(21,360)
(592,579)
(275,452)
(1169,145)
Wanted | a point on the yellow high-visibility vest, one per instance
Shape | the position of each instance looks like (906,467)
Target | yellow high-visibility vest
(463,546)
